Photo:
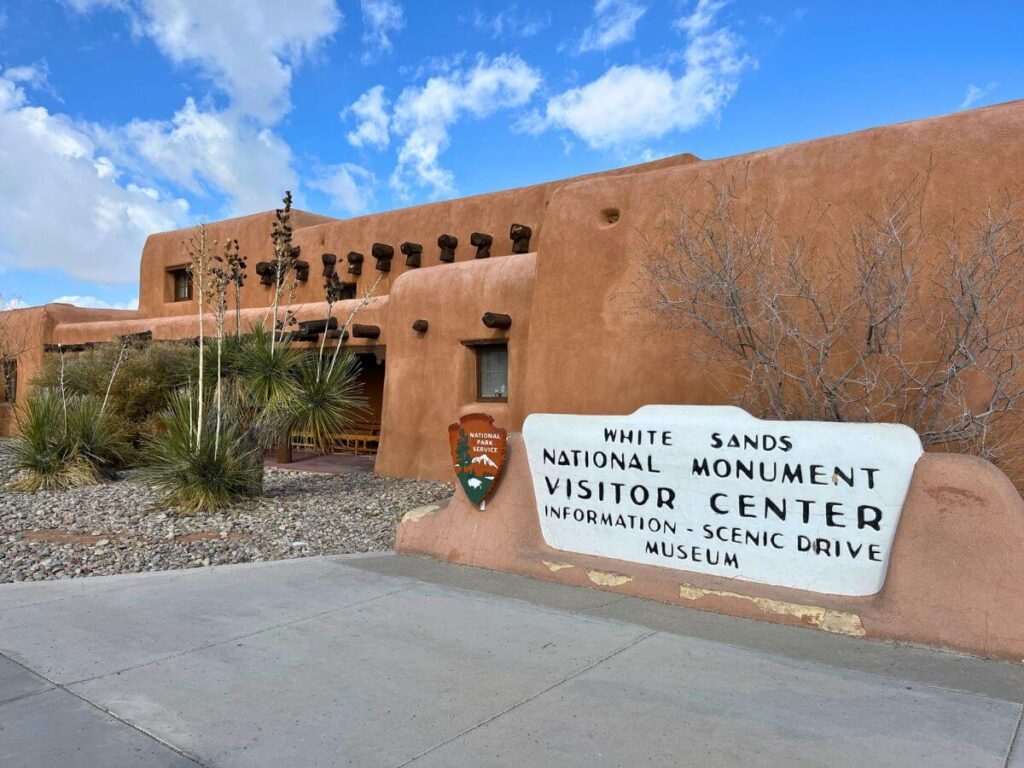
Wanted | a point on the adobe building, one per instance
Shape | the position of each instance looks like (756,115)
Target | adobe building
(565,338)
(522,304)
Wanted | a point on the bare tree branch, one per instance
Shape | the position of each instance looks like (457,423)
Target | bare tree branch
(858,325)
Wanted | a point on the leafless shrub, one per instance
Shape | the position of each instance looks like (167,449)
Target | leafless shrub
(14,340)
(13,335)
(886,321)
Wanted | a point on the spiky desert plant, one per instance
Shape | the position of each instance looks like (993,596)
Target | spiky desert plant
(197,476)
(98,438)
(269,369)
(43,451)
(294,390)
(327,401)
(265,386)
(65,442)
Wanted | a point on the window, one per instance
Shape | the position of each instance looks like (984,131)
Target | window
(348,291)
(492,372)
(10,382)
(181,283)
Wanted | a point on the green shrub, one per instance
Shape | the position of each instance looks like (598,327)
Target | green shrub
(145,378)
(65,445)
(201,474)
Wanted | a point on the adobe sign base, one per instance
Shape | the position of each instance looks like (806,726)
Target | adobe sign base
(955,578)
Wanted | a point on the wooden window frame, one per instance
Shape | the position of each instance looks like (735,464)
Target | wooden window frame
(173,272)
(478,348)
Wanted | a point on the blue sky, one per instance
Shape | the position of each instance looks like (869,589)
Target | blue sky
(123,117)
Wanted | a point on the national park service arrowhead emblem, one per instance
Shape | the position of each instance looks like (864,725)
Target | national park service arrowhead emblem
(478,453)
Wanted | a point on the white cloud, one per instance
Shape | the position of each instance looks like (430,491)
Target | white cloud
(349,187)
(64,203)
(247,47)
(614,23)
(380,19)
(208,150)
(976,93)
(511,23)
(82,197)
(424,114)
(631,104)
(91,302)
(703,17)
(371,109)
(6,304)
(32,75)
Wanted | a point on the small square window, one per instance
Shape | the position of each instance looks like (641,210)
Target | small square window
(9,369)
(181,285)
(492,372)
(348,291)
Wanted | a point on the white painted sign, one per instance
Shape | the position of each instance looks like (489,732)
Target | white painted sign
(802,504)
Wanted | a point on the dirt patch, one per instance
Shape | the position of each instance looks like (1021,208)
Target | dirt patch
(57,536)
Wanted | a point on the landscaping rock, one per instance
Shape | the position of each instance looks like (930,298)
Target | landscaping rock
(122,526)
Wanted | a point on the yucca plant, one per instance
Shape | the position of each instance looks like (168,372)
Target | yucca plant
(99,439)
(328,398)
(194,473)
(267,386)
(65,443)
(251,393)
(268,370)
(298,390)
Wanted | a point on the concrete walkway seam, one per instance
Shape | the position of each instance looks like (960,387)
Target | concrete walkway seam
(58,687)
(1014,741)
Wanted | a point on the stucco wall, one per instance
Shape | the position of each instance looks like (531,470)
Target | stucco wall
(431,377)
(315,235)
(587,269)
(166,250)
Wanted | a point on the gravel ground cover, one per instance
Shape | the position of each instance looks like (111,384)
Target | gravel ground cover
(122,527)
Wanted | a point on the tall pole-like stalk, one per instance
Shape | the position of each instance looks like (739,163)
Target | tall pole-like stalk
(223,274)
(202,338)
(63,391)
(216,440)
(284,258)
(113,373)
(368,298)
(198,254)
(332,290)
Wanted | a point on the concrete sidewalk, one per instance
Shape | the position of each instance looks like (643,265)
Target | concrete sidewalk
(389,661)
